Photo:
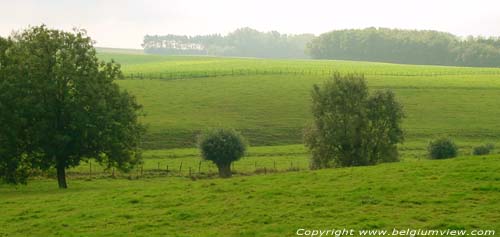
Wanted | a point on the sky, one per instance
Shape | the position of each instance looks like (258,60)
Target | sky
(123,23)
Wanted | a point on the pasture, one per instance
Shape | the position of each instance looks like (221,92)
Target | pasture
(272,109)
(270,106)
(460,194)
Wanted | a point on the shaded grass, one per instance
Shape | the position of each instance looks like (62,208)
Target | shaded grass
(273,110)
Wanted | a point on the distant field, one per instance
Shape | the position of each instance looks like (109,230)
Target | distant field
(273,109)
(458,194)
(154,64)
(115,51)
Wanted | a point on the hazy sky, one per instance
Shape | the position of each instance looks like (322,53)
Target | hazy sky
(123,23)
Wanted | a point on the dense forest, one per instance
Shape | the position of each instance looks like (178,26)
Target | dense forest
(244,42)
(370,44)
(406,46)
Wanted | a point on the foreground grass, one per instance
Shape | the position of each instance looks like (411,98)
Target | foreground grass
(461,193)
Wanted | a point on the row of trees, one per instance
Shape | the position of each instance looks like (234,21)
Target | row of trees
(370,44)
(406,46)
(244,42)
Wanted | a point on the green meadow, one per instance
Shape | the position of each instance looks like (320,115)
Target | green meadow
(457,194)
(273,109)
(273,193)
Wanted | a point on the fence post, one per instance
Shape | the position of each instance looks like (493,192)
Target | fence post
(199,167)
(180,168)
(167,169)
(90,170)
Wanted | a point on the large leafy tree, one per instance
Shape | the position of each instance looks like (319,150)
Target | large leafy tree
(352,127)
(60,106)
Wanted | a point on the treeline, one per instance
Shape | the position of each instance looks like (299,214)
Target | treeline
(406,46)
(244,42)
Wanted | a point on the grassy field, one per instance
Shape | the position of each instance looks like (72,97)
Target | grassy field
(461,193)
(187,162)
(273,193)
(273,109)
(153,64)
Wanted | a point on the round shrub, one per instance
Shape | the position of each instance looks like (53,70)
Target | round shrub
(222,147)
(442,148)
(482,150)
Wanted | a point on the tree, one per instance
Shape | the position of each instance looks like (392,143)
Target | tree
(351,127)
(60,107)
(222,147)
(442,148)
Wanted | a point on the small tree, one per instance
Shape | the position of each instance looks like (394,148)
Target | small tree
(483,149)
(442,148)
(222,147)
(60,106)
(351,127)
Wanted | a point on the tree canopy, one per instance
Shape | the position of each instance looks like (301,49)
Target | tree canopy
(406,46)
(60,106)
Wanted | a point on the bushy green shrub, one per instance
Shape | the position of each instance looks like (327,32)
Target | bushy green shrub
(442,148)
(353,127)
(222,147)
(483,149)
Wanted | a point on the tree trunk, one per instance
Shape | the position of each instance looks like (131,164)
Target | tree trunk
(61,177)
(224,170)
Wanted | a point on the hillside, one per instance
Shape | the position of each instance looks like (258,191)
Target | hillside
(461,193)
(272,107)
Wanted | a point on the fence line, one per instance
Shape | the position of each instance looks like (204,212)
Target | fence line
(248,72)
(166,169)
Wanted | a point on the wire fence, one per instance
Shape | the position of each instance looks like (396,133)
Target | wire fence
(254,72)
(194,170)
